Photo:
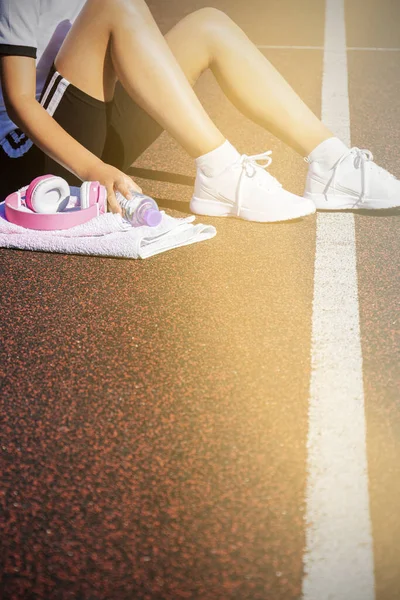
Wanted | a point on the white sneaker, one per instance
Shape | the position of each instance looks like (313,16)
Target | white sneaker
(354,183)
(247,191)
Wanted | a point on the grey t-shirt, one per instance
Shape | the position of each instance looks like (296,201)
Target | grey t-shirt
(37,29)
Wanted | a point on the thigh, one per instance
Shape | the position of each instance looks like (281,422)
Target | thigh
(84,57)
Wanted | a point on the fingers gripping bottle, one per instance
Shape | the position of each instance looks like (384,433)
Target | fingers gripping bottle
(139,210)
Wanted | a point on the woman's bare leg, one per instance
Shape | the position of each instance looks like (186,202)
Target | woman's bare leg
(120,39)
(210,39)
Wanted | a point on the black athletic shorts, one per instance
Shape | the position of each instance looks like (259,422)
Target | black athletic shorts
(117,132)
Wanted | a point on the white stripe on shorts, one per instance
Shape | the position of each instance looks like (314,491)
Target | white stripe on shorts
(26,143)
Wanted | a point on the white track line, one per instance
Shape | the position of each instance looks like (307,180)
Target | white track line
(338,560)
(262,47)
(375,49)
(350,48)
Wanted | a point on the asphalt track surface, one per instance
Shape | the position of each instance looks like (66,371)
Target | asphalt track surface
(155,413)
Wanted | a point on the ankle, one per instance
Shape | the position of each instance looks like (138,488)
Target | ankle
(327,153)
(216,161)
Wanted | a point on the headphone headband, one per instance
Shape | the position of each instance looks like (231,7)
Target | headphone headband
(93,203)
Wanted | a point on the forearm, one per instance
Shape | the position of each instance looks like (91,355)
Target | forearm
(18,79)
(52,139)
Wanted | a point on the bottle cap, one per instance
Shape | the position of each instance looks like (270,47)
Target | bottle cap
(152,217)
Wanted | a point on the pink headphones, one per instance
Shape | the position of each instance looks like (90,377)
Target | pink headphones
(49,203)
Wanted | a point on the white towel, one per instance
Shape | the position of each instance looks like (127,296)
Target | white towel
(107,235)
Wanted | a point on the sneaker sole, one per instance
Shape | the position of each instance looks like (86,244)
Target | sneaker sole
(332,203)
(209,208)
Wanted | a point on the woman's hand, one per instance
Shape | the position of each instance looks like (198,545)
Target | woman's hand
(113,180)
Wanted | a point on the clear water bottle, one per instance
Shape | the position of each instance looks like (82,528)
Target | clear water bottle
(139,210)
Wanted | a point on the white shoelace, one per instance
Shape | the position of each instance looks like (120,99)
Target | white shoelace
(250,166)
(361,157)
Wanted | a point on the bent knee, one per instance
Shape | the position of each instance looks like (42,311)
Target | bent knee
(210,18)
(119,9)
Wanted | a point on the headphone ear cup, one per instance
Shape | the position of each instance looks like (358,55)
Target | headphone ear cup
(47,194)
(85,195)
(31,189)
(90,191)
